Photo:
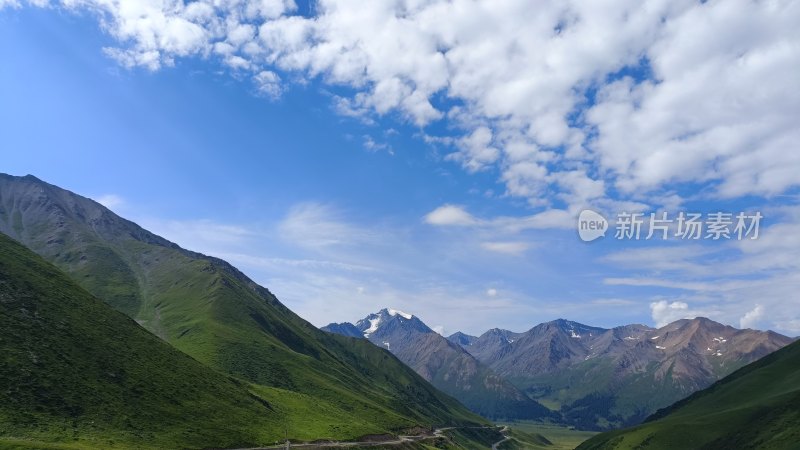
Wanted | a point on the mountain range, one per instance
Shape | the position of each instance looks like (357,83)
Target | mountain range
(606,378)
(325,386)
(446,365)
(589,377)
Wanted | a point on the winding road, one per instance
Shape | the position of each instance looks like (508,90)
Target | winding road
(505,438)
(438,433)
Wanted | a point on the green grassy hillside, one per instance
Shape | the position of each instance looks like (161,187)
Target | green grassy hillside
(757,406)
(206,308)
(74,371)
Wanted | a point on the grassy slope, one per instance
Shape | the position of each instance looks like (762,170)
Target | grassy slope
(211,311)
(77,374)
(75,370)
(757,406)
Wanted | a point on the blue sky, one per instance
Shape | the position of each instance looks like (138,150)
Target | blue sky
(351,158)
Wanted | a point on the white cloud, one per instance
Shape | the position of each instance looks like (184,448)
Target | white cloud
(492,292)
(268,83)
(201,235)
(454,215)
(374,146)
(687,92)
(315,225)
(752,318)
(450,215)
(110,201)
(476,150)
(508,247)
(664,312)
(703,116)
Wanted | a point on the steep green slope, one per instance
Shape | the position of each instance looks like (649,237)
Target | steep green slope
(74,370)
(757,406)
(206,308)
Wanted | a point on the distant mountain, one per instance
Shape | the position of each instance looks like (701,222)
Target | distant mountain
(602,378)
(345,329)
(76,372)
(461,339)
(332,386)
(445,364)
(492,345)
(755,407)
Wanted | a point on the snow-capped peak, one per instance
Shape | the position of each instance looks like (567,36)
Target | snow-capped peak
(397,312)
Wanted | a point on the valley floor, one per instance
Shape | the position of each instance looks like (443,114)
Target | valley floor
(561,437)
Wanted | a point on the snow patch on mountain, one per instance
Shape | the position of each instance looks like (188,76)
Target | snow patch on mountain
(397,312)
(373,326)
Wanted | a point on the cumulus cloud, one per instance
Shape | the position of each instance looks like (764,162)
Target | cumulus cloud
(570,102)
(268,83)
(664,312)
(450,215)
(752,318)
